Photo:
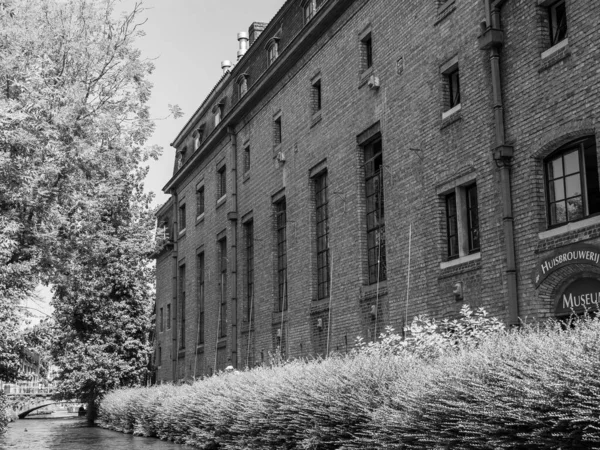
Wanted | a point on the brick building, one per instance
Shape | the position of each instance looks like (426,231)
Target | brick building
(365,161)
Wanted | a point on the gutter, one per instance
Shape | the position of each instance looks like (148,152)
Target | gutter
(492,39)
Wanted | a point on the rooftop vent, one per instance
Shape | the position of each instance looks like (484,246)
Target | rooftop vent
(226,66)
(242,37)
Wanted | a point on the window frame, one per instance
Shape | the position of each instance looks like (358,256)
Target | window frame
(465,219)
(182,218)
(323,254)
(249,272)
(281,253)
(247,160)
(272,48)
(366,51)
(200,273)
(200,201)
(182,315)
(222,332)
(371,156)
(221,182)
(277,130)
(554,27)
(316,97)
(587,182)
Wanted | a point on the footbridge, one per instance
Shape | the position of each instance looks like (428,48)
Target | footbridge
(23,404)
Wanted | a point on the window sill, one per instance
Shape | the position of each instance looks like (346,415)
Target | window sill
(182,233)
(221,200)
(316,118)
(200,219)
(181,353)
(555,54)
(451,116)
(444,11)
(451,111)
(276,150)
(573,226)
(200,348)
(365,75)
(459,261)
(555,48)
(245,177)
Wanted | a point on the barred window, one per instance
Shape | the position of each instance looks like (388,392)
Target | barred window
(247,159)
(222,182)
(200,269)
(182,306)
(376,255)
(322,222)
(223,287)
(281,222)
(199,201)
(182,218)
(249,232)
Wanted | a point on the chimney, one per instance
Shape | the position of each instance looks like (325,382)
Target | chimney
(242,37)
(255,29)
(226,66)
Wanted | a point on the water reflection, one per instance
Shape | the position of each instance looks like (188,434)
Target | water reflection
(73,433)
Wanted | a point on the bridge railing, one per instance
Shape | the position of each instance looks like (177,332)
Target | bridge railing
(28,390)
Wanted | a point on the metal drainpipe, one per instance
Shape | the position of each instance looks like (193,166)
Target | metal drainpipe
(174,303)
(503,154)
(232,216)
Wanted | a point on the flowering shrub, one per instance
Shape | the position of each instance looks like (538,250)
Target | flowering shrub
(428,338)
(487,388)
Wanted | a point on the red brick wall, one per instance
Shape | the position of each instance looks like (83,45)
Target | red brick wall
(545,106)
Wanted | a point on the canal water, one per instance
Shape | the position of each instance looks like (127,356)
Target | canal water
(72,433)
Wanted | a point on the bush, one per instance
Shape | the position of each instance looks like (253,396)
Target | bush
(3,413)
(464,384)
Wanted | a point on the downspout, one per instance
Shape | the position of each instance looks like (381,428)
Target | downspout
(232,216)
(174,349)
(492,39)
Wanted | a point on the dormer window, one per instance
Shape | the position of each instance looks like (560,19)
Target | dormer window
(272,50)
(218,111)
(181,157)
(242,85)
(198,137)
(310,8)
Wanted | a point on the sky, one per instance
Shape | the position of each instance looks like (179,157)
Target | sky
(188,39)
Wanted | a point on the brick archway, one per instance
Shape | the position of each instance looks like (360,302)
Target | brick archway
(551,288)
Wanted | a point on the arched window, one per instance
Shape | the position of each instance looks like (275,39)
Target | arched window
(572,188)
(242,85)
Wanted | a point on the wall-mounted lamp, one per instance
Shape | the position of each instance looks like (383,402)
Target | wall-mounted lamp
(457,290)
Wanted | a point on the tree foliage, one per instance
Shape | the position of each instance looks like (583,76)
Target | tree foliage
(73,123)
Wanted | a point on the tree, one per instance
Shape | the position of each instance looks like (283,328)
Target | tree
(73,124)
(104,300)
(73,119)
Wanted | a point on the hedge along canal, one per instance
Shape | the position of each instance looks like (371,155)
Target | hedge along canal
(73,433)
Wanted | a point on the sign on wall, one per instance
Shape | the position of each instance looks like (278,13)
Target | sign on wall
(573,254)
(581,295)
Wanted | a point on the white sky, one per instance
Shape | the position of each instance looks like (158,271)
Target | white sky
(189,38)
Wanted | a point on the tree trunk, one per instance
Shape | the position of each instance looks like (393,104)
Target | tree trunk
(91,412)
